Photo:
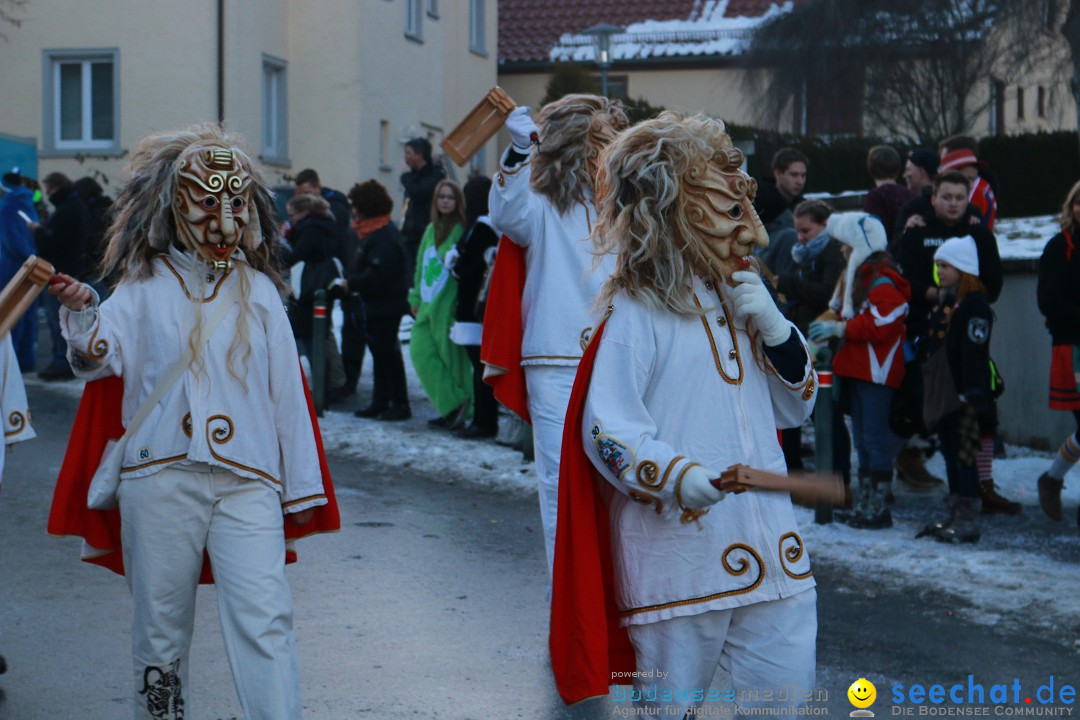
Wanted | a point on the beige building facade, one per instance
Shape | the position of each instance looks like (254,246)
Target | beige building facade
(336,85)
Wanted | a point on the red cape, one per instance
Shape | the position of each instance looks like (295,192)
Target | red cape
(96,422)
(586,643)
(500,348)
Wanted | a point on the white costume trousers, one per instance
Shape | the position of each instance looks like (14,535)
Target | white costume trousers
(549,389)
(168,519)
(767,647)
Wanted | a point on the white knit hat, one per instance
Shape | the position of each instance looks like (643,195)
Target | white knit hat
(961,253)
(865,235)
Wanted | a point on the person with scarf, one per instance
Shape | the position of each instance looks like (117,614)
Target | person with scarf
(378,277)
(442,365)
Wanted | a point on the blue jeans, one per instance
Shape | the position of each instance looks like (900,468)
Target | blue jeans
(875,442)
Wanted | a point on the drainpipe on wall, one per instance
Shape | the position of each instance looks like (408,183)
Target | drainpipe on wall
(221,62)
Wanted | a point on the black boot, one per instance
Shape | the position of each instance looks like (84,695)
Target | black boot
(964,527)
(932,529)
(371,411)
(875,515)
(396,412)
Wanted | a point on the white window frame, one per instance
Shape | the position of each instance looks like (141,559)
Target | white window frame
(477,27)
(52,144)
(275,110)
(433,9)
(414,13)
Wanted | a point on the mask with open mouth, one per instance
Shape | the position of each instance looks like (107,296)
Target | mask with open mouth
(212,207)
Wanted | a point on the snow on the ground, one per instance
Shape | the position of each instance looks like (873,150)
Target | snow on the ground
(1025,237)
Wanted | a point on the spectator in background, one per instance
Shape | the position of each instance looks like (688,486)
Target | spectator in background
(442,366)
(418,183)
(960,152)
(805,292)
(307,181)
(378,277)
(470,269)
(63,241)
(1059,301)
(313,236)
(872,300)
(916,256)
(919,173)
(887,196)
(16,245)
(97,206)
(788,179)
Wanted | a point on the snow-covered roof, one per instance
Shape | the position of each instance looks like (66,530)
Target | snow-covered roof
(532,31)
(711,32)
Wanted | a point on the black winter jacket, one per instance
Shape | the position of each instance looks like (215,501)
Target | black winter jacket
(313,240)
(965,330)
(63,239)
(1059,289)
(419,188)
(378,274)
(471,270)
(809,289)
(915,255)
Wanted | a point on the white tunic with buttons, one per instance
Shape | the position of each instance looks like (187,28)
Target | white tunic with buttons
(562,279)
(668,392)
(259,428)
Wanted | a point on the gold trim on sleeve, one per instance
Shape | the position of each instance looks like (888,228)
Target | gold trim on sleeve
(185,424)
(97,348)
(792,554)
(647,474)
(303,500)
(688,515)
(743,565)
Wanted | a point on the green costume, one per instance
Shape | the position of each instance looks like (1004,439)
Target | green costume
(443,367)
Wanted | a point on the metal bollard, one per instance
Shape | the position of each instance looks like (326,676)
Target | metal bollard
(318,351)
(823,450)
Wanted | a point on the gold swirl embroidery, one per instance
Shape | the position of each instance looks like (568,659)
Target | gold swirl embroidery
(792,554)
(670,467)
(643,498)
(734,342)
(185,424)
(17,421)
(97,348)
(583,339)
(647,473)
(808,391)
(741,567)
(223,434)
(179,279)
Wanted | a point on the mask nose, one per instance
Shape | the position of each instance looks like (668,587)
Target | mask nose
(757,230)
(228,223)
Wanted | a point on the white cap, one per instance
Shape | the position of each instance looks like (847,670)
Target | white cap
(865,235)
(961,253)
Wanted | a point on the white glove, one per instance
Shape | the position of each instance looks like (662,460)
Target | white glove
(451,258)
(752,300)
(697,490)
(521,128)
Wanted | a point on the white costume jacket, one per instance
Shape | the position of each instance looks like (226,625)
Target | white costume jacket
(16,413)
(560,283)
(668,392)
(260,429)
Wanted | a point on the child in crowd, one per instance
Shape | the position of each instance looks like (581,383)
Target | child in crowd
(961,322)
(872,300)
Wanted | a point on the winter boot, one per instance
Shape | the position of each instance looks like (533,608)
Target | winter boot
(856,500)
(876,515)
(1050,496)
(993,503)
(964,527)
(932,529)
(911,468)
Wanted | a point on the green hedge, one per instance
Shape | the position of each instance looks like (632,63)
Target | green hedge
(1034,171)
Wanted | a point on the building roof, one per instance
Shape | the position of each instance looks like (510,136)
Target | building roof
(541,31)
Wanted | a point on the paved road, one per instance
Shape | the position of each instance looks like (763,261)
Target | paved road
(429,603)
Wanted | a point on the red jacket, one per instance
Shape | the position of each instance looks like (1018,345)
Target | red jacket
(983,198)
(874,339)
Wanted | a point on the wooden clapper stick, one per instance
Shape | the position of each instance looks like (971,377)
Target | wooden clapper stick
(805,488)
(19,294)
(478,126)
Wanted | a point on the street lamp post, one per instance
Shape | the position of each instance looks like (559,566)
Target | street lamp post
(601,34)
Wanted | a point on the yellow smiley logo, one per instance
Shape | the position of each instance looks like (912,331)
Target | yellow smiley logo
(862,693)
